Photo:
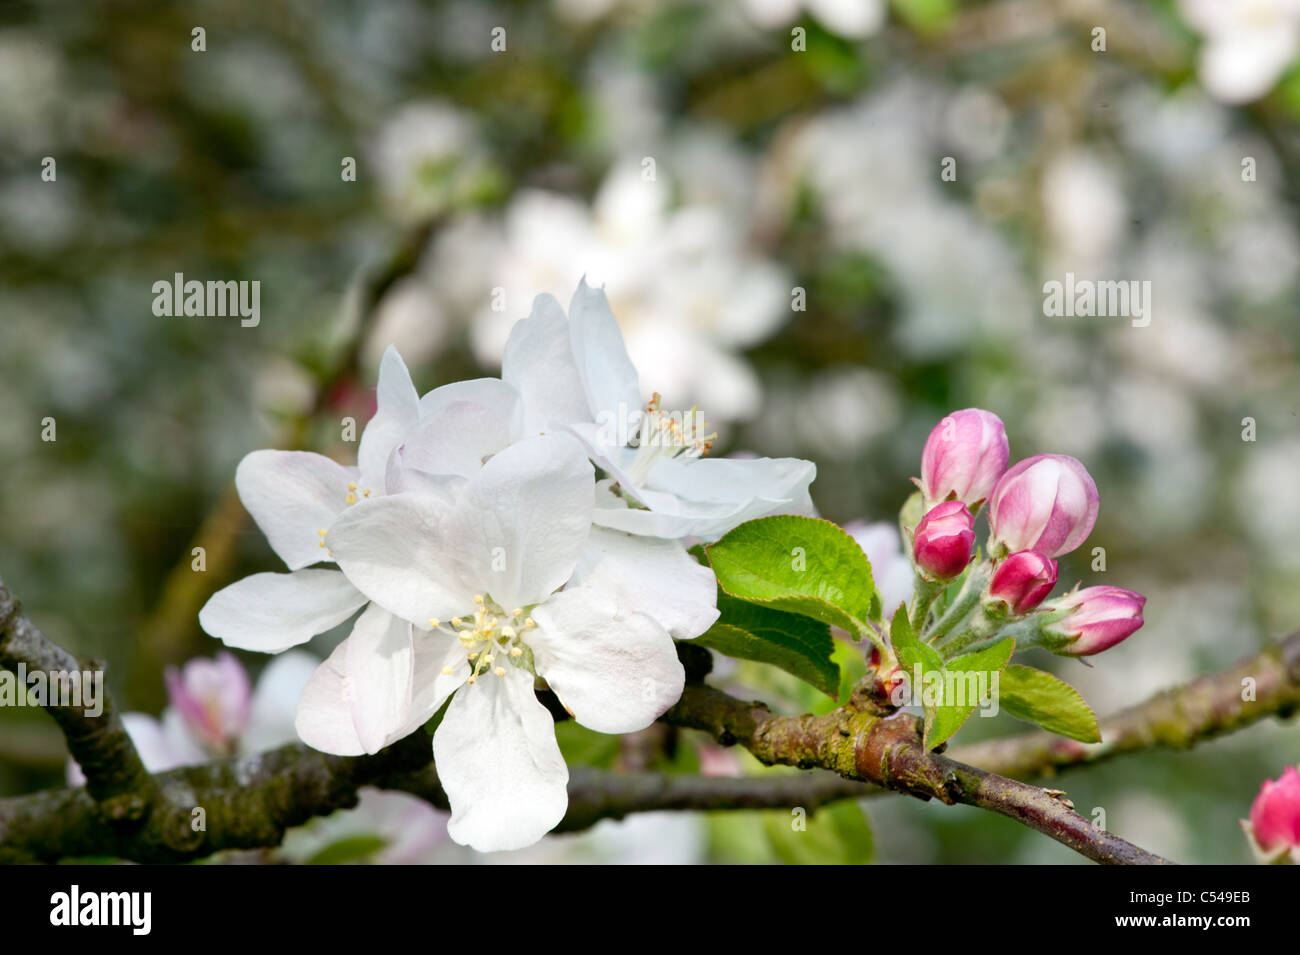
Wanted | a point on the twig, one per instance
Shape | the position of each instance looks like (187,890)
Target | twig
(859,743)
(115,776)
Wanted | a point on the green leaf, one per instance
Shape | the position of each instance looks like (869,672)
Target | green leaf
(347,851)
(909,650)
(800,565)
(968,680)
(1048,701)
(583,747)
(797,644)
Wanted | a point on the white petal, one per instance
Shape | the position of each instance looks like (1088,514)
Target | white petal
(655,577)
(539,362)
(617,671)
(463,424)
(396,412)
(293,495)
(180,745)
(273,612)
(719,493)
(665,515)
(394,550)
(380,667)
(158,749)
(608,375)
(500,765)
(324,719)
(275,701)
(375,689)
(523,520)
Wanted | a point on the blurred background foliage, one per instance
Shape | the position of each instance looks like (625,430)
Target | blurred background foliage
(690,157)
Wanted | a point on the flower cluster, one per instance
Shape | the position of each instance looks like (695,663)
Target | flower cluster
(1038,510)
(499,536)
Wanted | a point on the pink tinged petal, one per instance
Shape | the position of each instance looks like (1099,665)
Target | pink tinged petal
(1023,580)
(944,540)
(1099,618)
(462,425)
(397,411)
(608,376)
(500,764)
(965,455)
(1046,503)
(213,698)
(273,612)
(655,577)
(275,701)
(523,520)
(1275,814)
(293,495)
(539,363)
(394,550)
(617,671)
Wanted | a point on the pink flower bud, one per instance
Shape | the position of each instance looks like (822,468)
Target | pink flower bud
(1023,580)
(965,455)
(1275,816)
(1097,618)
(1046,503)
(213,699)
(944,539)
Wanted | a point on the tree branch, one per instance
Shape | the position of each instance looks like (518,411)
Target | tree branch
(861,742)
(249,802)
(115,775)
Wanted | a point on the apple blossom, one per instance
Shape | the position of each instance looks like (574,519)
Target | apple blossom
(944,539)
(213,713)
(479,586)
(1046,503)
(1022,580)
(212,697)
(1274,825)
(574,373)
(964,456)
(295,496)
(1096,618)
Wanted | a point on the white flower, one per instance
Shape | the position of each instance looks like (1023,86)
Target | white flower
(295,496)
(426,157)
(485,582)
(718,298)
(1248,44)
(575,373)
(852,19)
